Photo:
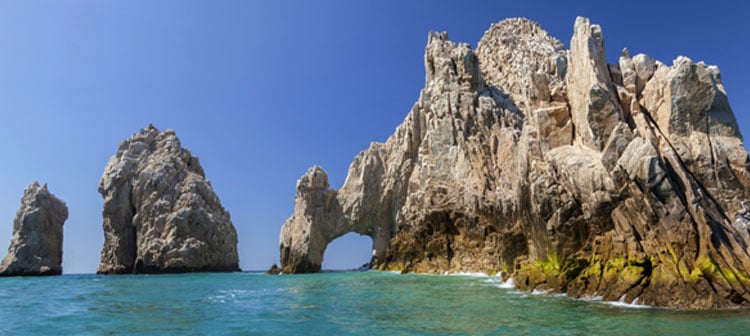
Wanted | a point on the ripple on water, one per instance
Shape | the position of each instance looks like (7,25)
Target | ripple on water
(373,303)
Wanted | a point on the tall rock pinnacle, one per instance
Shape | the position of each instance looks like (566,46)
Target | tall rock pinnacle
(160,213)
(36,247)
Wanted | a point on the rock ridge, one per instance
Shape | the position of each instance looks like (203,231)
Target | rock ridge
(627,181)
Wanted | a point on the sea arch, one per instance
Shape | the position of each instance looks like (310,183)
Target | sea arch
(322,215)
(349,252)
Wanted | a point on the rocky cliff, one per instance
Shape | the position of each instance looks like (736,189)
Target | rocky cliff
(36,246)
(622,181)
(160,213)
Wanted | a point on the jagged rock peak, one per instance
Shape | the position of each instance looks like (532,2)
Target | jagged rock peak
(449,64)
(593,100)
(554,168)
(160,213)
(36,246)
(314,178)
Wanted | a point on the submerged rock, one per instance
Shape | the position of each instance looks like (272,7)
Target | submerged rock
(552,167)
(160,213)
(36,246)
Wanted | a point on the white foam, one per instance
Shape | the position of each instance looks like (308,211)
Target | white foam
(539,292)
(469,274)
(507,284)
(621,303)
(592,298)
(499,283)
(626,305)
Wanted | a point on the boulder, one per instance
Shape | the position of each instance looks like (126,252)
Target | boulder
(160,213)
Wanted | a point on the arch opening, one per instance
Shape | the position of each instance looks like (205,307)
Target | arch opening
(348,252)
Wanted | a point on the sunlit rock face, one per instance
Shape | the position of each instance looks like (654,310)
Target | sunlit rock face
(624,181)
(160,213)
(36,246)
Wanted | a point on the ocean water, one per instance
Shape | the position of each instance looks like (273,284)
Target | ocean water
(356,303)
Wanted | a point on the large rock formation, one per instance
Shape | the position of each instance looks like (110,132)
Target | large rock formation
(555,168)
(36,247)
(160,213)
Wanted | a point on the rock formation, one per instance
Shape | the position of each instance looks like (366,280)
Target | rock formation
(553,167)
(36,247)
(160,213)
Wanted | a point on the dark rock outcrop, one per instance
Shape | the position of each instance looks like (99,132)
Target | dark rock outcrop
(160,213)
(624,181)
(36,246)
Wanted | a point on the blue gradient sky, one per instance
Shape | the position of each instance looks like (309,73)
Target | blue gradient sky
(260,91)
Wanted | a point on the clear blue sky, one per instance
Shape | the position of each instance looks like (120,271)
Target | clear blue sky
(261,91)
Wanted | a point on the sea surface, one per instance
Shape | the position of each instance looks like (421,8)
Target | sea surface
(341,303)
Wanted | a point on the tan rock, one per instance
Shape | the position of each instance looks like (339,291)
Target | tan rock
(36,247)
(692,112)
(160,213)
(486,174)
(644,69)
(593,102)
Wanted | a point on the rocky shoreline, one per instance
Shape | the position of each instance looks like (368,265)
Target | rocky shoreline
(550,165)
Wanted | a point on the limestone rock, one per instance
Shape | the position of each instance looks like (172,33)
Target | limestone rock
(553,167)
(522,59)
(36,247)
(160,213)
(691,110)
(593,101)
(302,243)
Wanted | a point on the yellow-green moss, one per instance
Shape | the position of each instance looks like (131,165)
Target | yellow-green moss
(617,263)
(594,270)
(708,267)
(674,255)
(551,264)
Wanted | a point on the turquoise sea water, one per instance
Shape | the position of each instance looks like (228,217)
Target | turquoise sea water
(368,303)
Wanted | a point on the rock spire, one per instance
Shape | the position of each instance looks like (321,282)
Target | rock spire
(36,246)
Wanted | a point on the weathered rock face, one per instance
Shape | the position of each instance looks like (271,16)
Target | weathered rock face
(36,247)
(160,213)
(623,181)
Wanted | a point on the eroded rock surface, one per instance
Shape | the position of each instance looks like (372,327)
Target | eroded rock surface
(160,213)
(36,246)
(624,181)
